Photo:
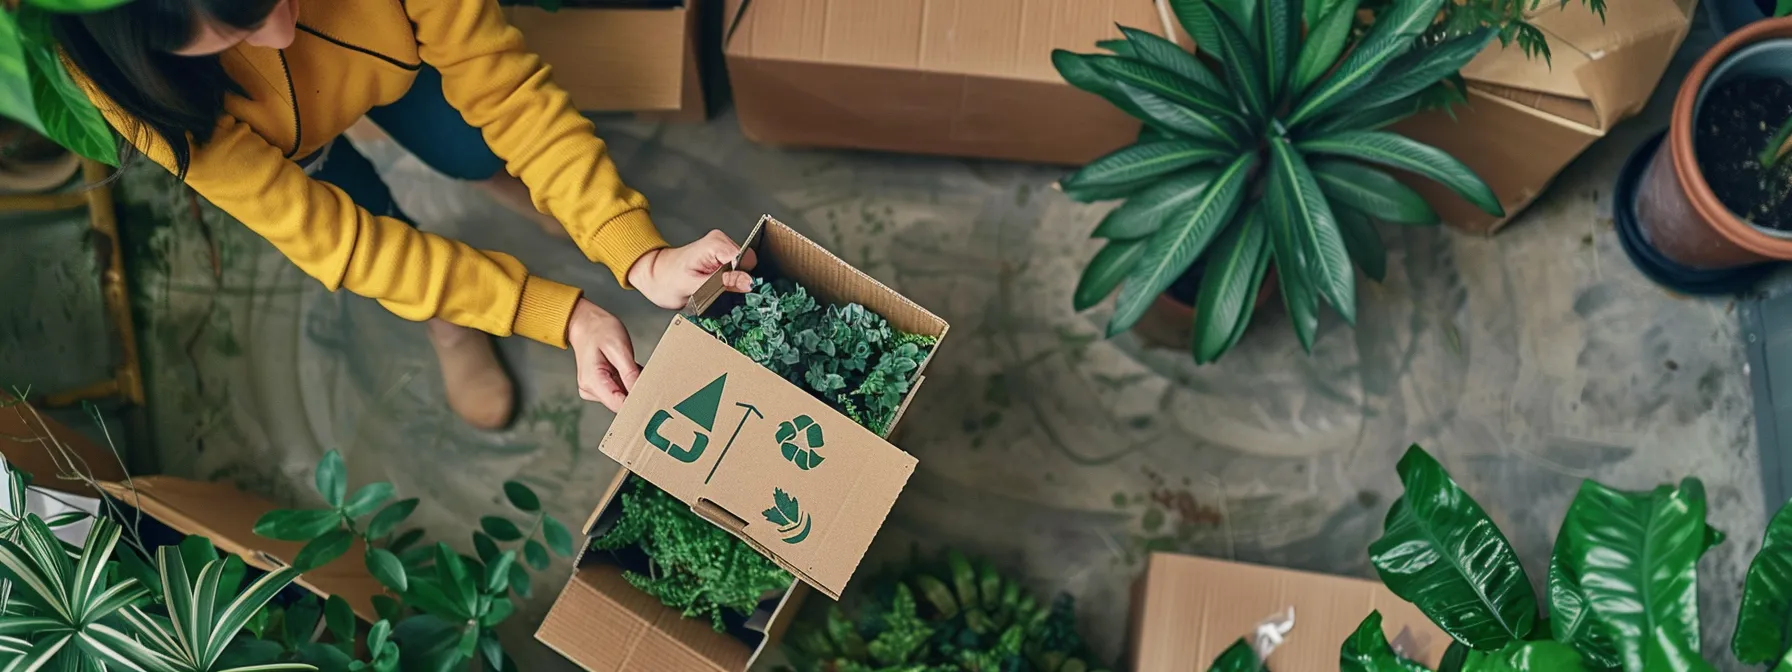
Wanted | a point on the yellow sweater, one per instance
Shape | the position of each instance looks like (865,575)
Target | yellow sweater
(351,55)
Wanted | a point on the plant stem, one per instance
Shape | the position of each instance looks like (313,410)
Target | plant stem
(1777,145)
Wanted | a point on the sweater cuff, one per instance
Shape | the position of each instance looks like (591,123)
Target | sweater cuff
(544,310)
(622,240)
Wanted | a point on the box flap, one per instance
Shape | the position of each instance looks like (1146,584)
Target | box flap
(47,449)
(758,456)
(1007,38)
(1190,609)
(603,623)
(1600,71)
(227,516)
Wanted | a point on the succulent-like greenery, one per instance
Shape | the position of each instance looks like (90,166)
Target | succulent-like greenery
(846,355)
(697,568)
(960,617)
(1276,160)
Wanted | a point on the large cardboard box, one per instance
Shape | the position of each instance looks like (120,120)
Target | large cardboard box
(1187,610)
(703,424)
(621,58)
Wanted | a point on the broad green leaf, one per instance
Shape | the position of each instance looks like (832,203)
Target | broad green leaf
(1278,36)
(339,619)
(332,478)
(1197,17)
(1537,656)
(1785,664)
(500,529)
(1108,192)
(1179,241)
(492,651)
(497,574)
(1241,12)
(76,6)
(1761,635)
(388,609)
(1110,265)
(484,546)
(1215,108)
(1237,658)
(389,518)
(1117,47)
(1350,119)
(1363,242)
(556,536)
(1398,151)
(323,550)
(1325,42)
(1393,33)
(536,555)
(1253,219)
(1373,192)
(1298,203)
(387,569)
(1142,215)
(1165,54)
(15,77)
(1570,621)
(403,542)
(1671,652)
(1144,161)
(519,582)
(1177,118)
(196,552)
(68,117)
(1076,69)
(1367,650)
(501,609)
(1298,296)
(521,496)
(1440,551)
(1227,287)
(1244,66)
(1637,558)
(457,582)
(1417,70)
(368,498)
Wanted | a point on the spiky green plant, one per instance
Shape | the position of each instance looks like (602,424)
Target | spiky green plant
(1276,160)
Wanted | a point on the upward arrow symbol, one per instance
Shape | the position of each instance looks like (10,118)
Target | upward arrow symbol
(751,410)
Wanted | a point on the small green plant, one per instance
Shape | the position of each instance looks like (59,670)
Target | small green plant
(1277,159)
(695,567)
(961,617)
(846,355)
(1778,145)
(37,91)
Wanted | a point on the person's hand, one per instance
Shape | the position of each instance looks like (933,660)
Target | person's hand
(670,275)
(603,353)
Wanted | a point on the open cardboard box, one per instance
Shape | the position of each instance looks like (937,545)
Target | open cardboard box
(1186,610)
(701,423)
(622,58)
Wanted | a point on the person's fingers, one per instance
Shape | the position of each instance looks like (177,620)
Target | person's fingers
(748,260)
(604,388)
(622,356)
(737,281)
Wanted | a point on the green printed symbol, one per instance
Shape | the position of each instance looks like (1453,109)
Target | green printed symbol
(809,431)
(700,408)
(793,524)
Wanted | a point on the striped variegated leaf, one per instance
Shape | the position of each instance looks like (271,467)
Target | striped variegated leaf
(41,654)
(120,652)
(237,614)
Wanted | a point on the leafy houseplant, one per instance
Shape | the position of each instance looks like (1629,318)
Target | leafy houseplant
(1622,583)
(962,616)
(1272,161)
(37,92)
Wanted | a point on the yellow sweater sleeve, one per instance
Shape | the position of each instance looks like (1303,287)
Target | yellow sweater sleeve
(416,275)
(531,123)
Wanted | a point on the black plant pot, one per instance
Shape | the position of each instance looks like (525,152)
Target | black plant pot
(1655,265)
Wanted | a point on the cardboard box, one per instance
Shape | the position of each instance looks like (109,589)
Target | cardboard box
(1602,73)
(702,424)
(1187,610)
(621,59)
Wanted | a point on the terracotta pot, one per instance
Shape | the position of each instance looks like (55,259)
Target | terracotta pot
(31,163)
(1677,212)
(1170,324)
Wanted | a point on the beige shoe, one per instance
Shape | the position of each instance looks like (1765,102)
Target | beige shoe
(478,388)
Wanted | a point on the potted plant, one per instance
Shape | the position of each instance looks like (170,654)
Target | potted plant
(1275,160)
(1702,209)
(41,100)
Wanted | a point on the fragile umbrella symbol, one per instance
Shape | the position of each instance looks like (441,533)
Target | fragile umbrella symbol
(804,427)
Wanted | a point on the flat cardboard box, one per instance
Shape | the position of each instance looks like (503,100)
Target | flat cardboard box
(1187,610)
(703,423)
(621,59)
(974,78)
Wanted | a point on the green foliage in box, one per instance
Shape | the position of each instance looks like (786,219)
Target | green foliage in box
(696,567)
(846,355)
(957,616)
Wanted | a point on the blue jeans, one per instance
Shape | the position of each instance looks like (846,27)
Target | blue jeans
(426,125)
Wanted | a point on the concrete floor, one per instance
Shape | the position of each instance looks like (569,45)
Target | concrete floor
(1526,362)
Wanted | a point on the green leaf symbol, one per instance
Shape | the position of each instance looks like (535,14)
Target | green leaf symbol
(788,517)
(805,428)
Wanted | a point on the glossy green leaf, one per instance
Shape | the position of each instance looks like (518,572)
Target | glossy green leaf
(297,524)
(1398,151)
(1142,215)
(1441,552)
(1176,118)
(1076,69)
(1117,47)
(339,618)
(1244,66)
(15,76)
(387,569)
(1351,119)
(1165,54)
(1761,622)
(522,497)
(1104,273)
(1197,17)
(500,529)
(1237,658)
(519,581)
(367,499)
(1785,664)
(497,574)
(1227,289)
(389,518)
(1325,42)
(1297,202)
(1254,218)
(1672,652)
(536,555)
(402,543)
(1417,70)
(1182,238)
(1367,650)
(388,608)
(1537,656)
(1373,192)
(1144,161)
(1570,620)
(322,550)
(332,478)
(558,539)
(1299,297)
(1215,106)
(1636,555)
(63,109)
(1241,12)
(1278,36)
(1363,242)
(492,652)
(1393,33)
